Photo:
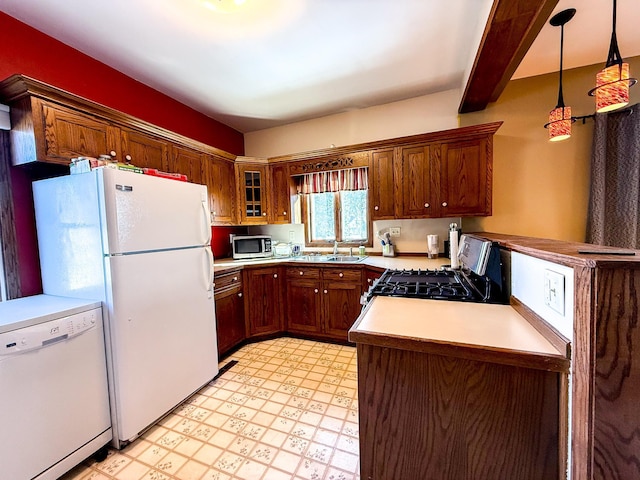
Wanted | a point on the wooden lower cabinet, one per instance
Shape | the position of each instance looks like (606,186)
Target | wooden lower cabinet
(264,301)
(229,302)
(323,301)
(304,300)
(370,276)
(426,416)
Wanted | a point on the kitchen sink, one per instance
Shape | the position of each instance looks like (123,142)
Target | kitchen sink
(345,258)
(329,258)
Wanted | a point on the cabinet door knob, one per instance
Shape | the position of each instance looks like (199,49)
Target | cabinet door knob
(275,275)
(284,213)
(369,280)
(240,294)
(301,272)
(264,214)
(341,274)
(315,290)
(127,158)
(112,153)
(235,279)
(444,204)
(326,291)
(376,207)
(426,205)
(214,213)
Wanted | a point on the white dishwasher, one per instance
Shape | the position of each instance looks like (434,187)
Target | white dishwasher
(54,404)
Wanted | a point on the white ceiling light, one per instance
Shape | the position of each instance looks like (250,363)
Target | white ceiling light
(224,6)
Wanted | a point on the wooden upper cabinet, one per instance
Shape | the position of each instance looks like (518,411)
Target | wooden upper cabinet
(419,182)
(280,190)
(382,186)
(222,190)
(252,193)
(188,162)
(465,179)
(61,134)
(143,150)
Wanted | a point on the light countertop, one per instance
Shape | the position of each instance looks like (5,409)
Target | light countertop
(27,311)
(376,261)
(487,332)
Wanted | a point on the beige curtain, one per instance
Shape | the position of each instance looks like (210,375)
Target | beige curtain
(333,181)
(614,204)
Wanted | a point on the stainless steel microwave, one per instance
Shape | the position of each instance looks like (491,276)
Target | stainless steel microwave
(251,246)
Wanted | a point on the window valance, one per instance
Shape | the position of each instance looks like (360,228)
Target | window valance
(333,181)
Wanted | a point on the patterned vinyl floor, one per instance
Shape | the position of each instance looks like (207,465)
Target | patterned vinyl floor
(288,410)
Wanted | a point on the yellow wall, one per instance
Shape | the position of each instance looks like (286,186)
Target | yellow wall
(541,188)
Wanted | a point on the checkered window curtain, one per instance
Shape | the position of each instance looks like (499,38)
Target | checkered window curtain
(333,181)
(614,204)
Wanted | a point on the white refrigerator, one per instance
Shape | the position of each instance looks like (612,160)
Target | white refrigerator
(141,245)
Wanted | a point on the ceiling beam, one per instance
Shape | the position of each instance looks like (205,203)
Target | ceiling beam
(511,28)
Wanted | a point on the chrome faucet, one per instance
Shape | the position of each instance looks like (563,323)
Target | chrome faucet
(335,248)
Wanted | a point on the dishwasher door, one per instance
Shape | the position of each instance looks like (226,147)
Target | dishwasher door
(53,396)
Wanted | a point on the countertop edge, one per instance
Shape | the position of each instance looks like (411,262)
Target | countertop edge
(484,353)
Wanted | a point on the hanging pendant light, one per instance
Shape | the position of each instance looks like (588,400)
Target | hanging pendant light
(612,82)
(560,119)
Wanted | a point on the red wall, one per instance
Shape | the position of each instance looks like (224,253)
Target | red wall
(220,245)
(30,52)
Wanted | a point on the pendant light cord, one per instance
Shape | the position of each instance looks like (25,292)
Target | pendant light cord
(560,96)
(614,56)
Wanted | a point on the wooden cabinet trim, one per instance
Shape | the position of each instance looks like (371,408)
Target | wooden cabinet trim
(20,86)
(474,131)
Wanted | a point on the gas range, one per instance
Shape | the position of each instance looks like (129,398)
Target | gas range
(480,279)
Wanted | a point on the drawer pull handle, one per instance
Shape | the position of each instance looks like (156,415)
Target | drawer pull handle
(301,273)
(444,204)
(275,275)
(315,290)
(235,279)
(426,205)
(325,291)
(341,274)
(240,294)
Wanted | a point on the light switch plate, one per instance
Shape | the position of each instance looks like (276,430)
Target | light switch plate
(554,291)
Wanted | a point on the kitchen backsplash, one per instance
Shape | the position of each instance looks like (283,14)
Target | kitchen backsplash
(412,239)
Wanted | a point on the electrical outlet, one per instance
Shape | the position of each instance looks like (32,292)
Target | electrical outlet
(554,291)
(394,231)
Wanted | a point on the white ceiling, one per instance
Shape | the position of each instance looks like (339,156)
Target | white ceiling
(586,37)
(272,62)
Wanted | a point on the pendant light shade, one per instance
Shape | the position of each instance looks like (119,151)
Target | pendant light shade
(559,124)
(612,82)
(560,119)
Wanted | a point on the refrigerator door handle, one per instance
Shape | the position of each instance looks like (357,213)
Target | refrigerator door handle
(207,221)
(210,272)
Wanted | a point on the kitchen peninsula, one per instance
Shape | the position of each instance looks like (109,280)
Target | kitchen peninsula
(486,395)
